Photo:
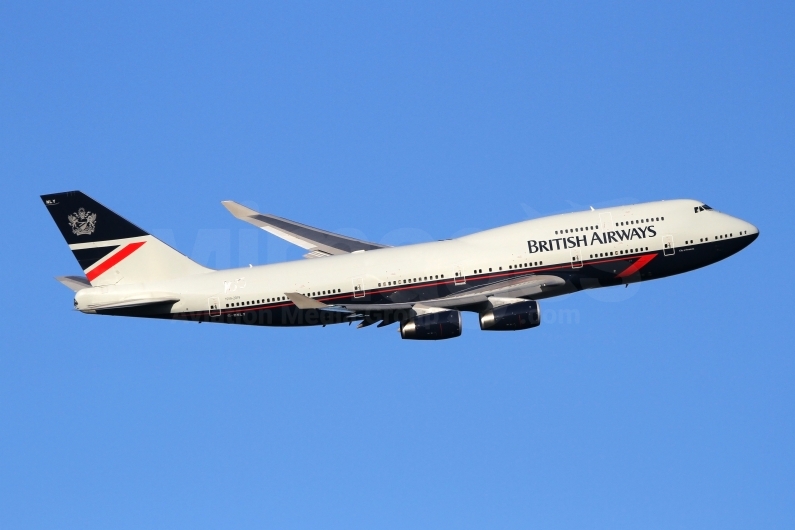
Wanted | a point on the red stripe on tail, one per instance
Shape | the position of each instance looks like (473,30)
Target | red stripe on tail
(113,260)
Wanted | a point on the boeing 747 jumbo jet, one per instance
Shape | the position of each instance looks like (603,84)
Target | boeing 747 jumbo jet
(500,274)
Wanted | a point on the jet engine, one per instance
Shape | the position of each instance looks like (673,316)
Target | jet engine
(511,317)
(432,326)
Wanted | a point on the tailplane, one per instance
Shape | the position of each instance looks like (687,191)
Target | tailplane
(110,249)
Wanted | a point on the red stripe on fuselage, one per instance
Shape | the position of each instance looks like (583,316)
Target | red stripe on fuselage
(635,267)
(114,259)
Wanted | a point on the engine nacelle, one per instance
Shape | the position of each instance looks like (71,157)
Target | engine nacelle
(511,317)
(432,326)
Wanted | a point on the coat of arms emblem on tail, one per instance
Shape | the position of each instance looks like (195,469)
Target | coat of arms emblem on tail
(83,223)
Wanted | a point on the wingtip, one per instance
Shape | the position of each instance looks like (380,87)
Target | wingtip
(238,210)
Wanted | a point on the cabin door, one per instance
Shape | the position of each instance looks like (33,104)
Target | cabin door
(459,278)
(668,245)
(606,221)
(214,305)
(576,259)
(358,287)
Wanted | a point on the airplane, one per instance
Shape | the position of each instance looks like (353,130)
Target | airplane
(500,274)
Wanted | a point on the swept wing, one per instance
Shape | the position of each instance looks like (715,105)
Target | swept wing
(517,288)
(318,242)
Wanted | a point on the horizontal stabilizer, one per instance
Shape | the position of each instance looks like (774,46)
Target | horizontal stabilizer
(75,283)
(319,242)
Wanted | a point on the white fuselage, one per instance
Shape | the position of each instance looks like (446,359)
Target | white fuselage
(547,243)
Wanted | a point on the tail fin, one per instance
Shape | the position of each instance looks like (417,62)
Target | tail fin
(110,249)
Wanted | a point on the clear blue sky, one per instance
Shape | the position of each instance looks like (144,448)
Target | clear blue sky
(666,405)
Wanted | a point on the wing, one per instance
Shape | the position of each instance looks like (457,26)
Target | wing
(319,242)
(527,287)
(476,299)
(473,299)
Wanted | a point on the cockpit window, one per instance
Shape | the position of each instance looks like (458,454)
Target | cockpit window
(701,208)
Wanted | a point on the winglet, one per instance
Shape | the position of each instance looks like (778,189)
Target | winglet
(304,302)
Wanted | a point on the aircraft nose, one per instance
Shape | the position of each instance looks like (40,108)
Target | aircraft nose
(750,230)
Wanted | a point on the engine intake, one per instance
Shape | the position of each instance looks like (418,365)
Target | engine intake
(511,317)
(432,326)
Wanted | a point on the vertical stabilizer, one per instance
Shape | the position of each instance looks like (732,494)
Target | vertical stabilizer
(110,249)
